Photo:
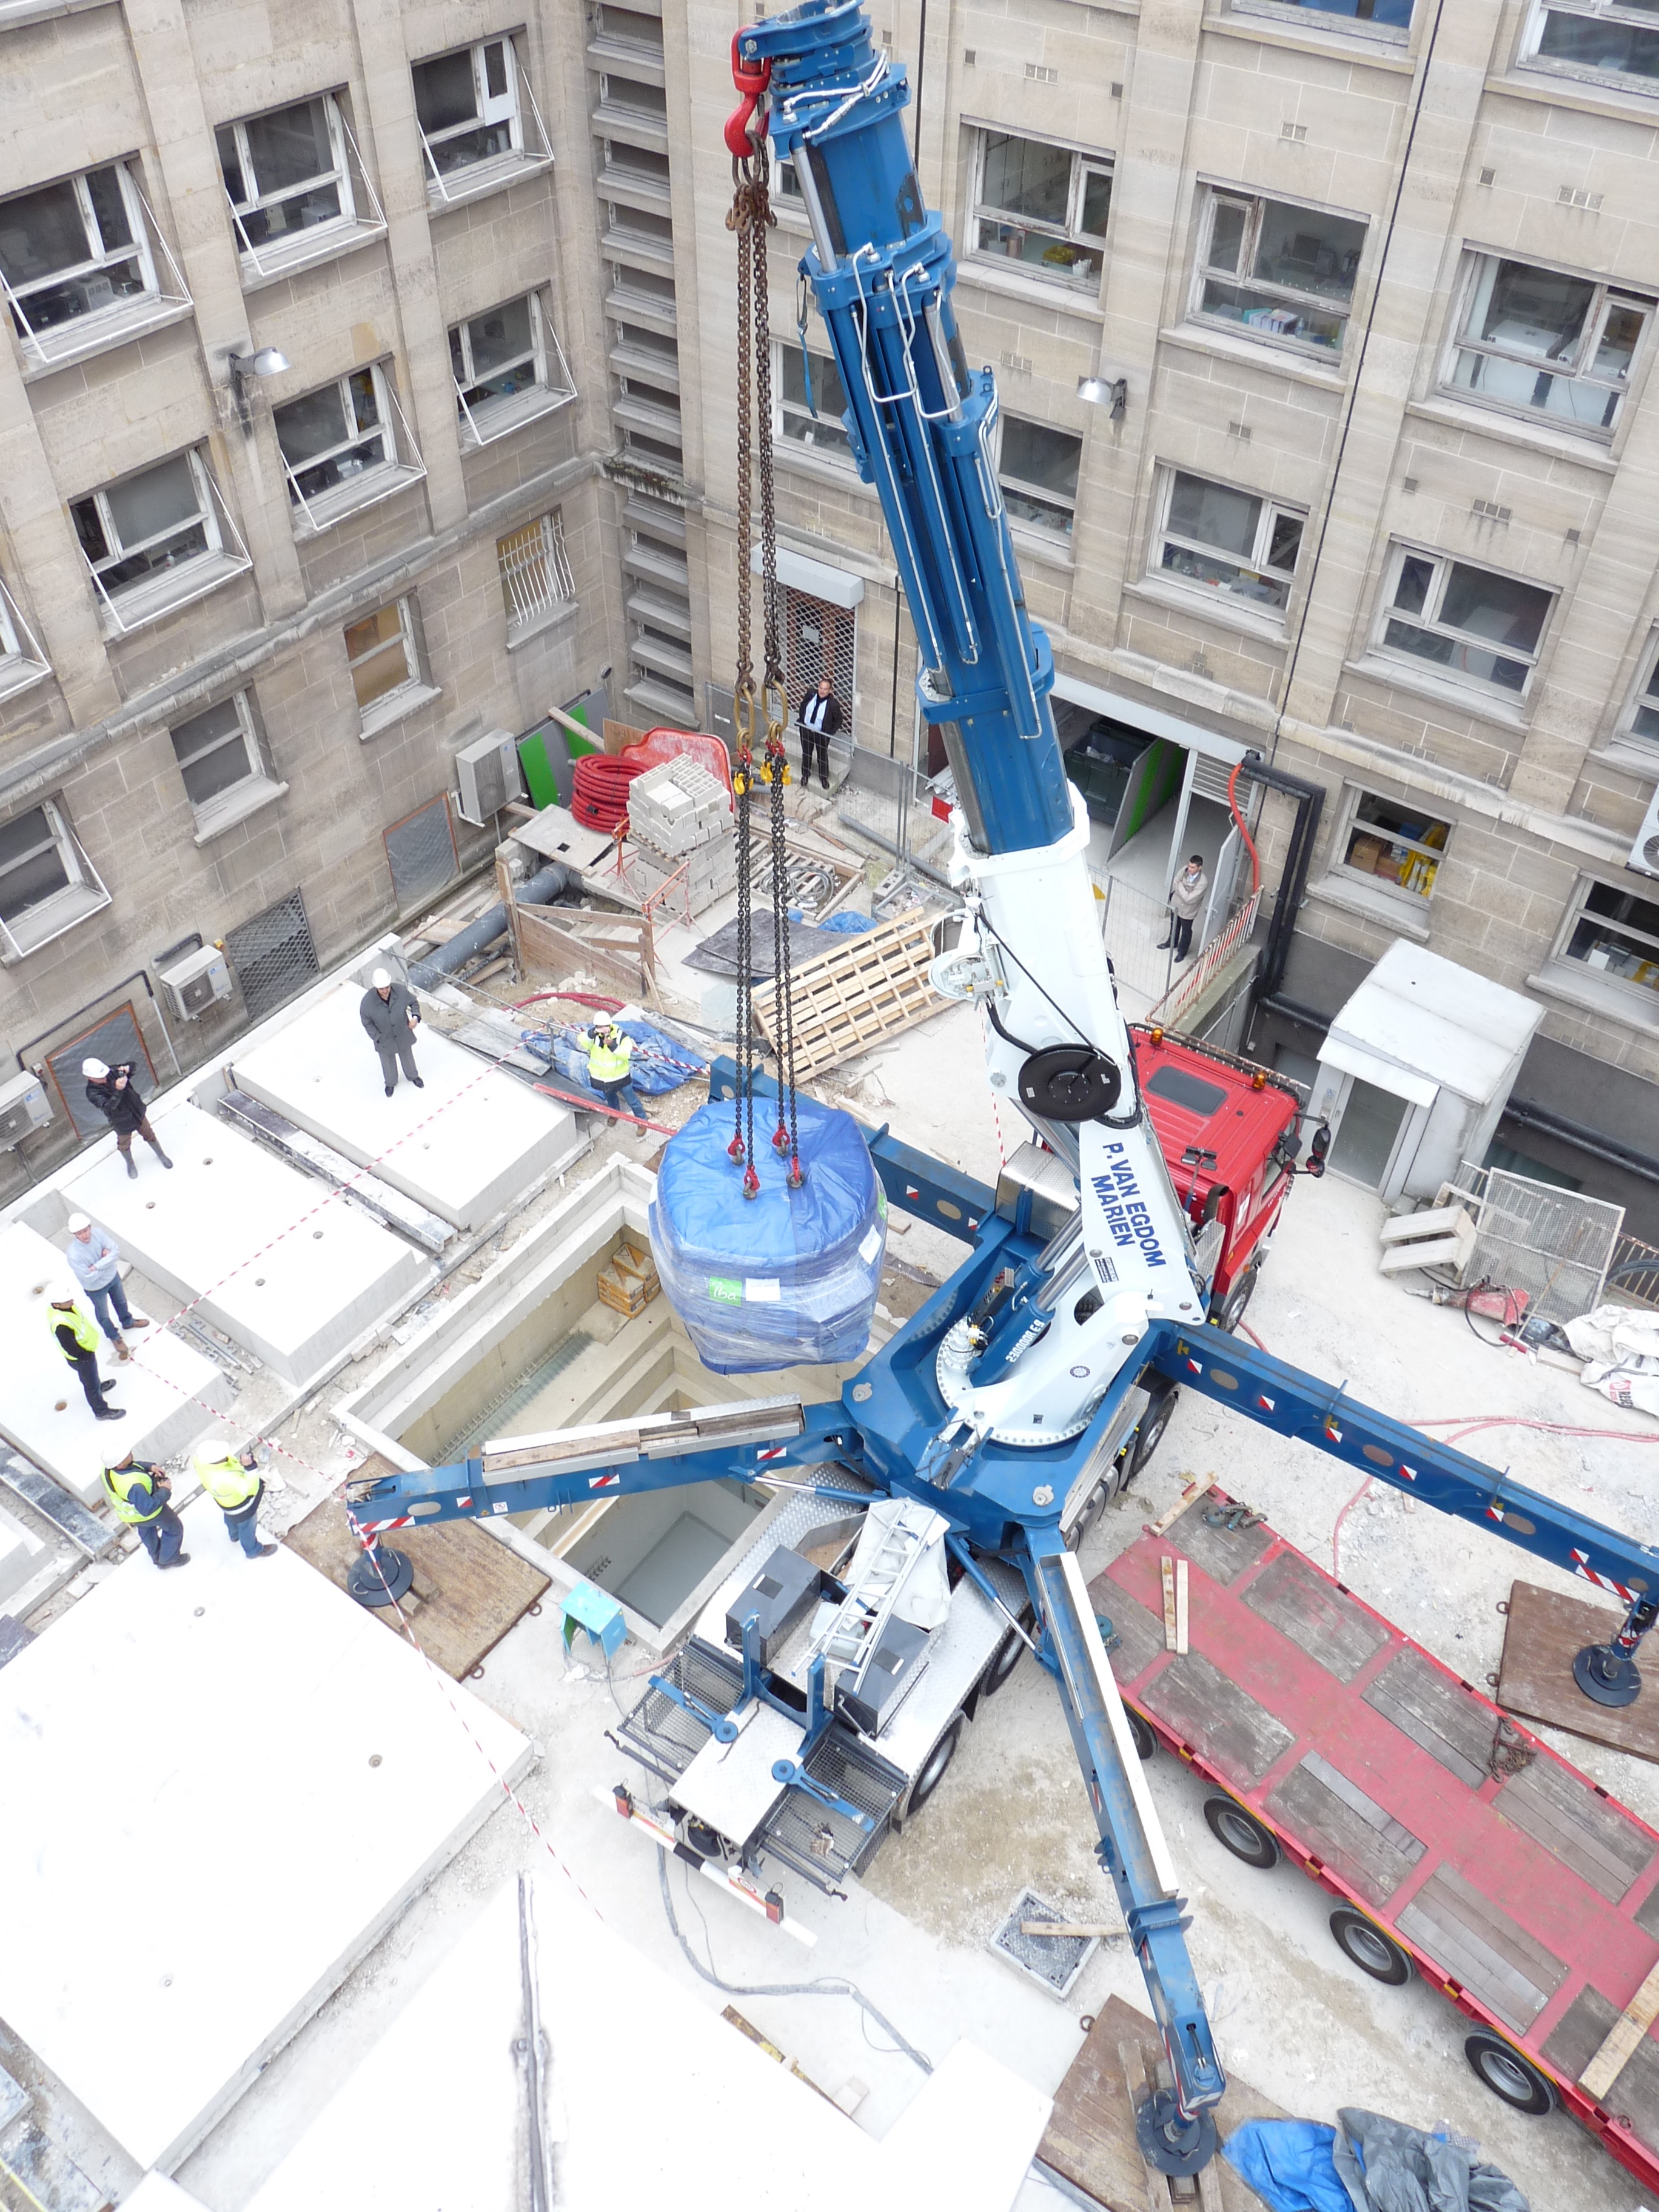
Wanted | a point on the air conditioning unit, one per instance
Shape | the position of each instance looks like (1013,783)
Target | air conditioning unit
(196,982)
(1644,853)
(488,775)
(24,1108)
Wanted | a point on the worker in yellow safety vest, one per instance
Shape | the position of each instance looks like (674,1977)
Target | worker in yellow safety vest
(138,1489)
(611,1068)
(75,1335)
(233,1481)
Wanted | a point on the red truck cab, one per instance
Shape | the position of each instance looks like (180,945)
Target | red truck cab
(1228,1133)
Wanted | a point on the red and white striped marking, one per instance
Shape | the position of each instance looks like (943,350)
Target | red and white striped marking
(605,1482)
(769,1451)
(1267,1404)
(1581,1566)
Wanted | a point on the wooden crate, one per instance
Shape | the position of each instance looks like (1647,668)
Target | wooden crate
(867,989)
(628,1280)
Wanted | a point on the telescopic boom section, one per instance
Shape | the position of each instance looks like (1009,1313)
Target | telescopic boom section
(921,421)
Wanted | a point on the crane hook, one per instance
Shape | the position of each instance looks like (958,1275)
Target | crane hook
(752,79)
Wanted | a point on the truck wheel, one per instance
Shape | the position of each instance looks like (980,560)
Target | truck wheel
(1150,1435)
(1241,1833)
(1146,1742)
(933,1769)
(1239,1297)
(1504,2071)
(1003,1664)
(1363,1943)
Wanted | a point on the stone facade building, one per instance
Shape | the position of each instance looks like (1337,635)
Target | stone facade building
(1369,289)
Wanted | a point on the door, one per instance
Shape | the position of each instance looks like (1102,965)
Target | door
(1221,891)
(1368,1124)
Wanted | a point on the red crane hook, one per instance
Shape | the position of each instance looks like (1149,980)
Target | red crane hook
(751,81)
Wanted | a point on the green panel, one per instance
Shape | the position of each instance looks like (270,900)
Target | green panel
(1161,767)
(537,769)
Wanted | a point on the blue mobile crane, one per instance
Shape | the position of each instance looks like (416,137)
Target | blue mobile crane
(1017,1387)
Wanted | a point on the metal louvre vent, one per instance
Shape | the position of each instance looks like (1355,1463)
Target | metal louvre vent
(115,1039)
(420,851)
(273,955)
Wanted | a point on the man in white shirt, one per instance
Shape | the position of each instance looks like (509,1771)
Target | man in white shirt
(95,1260)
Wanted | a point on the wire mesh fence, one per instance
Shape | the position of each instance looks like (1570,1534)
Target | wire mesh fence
(273,955)
(1555,1245)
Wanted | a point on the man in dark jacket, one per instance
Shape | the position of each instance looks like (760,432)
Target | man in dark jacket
(114,1093)
(389,1014)
(820,718)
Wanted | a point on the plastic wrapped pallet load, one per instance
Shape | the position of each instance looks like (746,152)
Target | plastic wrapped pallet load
(785,1278)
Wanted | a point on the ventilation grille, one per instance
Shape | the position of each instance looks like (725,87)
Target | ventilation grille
(420,851)
(273,955)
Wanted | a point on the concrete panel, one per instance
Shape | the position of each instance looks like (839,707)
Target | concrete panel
(272,1767)
(285,1271)
(168,1390)
(648,2098)
(20,1554)
(465,1146)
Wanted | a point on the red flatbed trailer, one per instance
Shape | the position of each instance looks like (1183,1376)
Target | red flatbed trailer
(1454,1838)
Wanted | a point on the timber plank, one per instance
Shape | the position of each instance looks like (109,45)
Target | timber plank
(1225,1725)
(1351,1833)
(853,997)
(1544,1633)
(1441,1717)
(1224,1554)
(1586,1832)
(1333,1631)
(1480,1946)
(1633,2094)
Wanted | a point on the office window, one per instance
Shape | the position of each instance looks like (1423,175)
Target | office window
(286,172)
(46,883)
(535,571)
(219,759)
(1640,724)
(23,662)
(1043,206)
(470,106)
(796,422)
(1542,343)
(1476,626)
(1391,15)
(77,263)
(1281,272)
(154,539)
(336,440)
(1399,848)
(1615,935)
(1613,39)
(1228,541)
(508,365)
(381,655)
(1037,470)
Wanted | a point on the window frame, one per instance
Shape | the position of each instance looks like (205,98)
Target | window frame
(1310,15)
(1255,202)
(1038,533)
(319,239)
(82,892)
(510,411)
(490,170)
(216,555)
(233,801)
(1273,510)
(1528,55)
(118,320)
(1351,825)
(837,450)
(399,465)
(1399,551)
(1085,162)
(1642,698)
(385,706)
(523,612)
(1569,967)
(1605,295)
(22,658)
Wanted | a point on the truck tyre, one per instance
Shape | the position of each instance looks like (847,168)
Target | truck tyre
(1146,1742)
(1239,1297)
(933,1769)
(1241,1833)
(1363,1944)
(1504,2071)
(1150,1435)
(1003,1663)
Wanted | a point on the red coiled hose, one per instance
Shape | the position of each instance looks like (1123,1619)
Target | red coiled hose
(599,798)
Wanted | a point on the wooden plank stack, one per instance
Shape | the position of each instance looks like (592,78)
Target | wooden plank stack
(869,987)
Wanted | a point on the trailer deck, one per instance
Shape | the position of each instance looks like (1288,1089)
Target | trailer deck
(1515,1884)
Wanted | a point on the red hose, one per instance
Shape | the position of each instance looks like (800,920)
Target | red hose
(599,798)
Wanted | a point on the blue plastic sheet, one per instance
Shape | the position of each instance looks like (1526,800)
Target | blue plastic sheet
(787,1278)
(1288,2165)
(660,1063)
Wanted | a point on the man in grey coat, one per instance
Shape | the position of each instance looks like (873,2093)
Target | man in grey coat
(1187,895)
(389,1014)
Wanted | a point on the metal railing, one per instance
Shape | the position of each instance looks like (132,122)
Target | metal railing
(1553,1245)
(1191,985)
(535,568)
(1633,1276)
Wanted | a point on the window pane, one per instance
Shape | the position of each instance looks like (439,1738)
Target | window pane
(1398,13)
(288,147)
(24,835)
(1623,906)
(1056,257)
(212,752)
(1411,594)
(1530,311)
(381,673)
(444,91)
(1274,317)
(1617,344)
(1463,659)
(1307,250)
(1227,236)
(495,70)
(158,500)
(361,637)
(230,162)
(104,191)
(365,402)
(1096,202)
(31,868)
(1026,179)
(1285,542)
(307,426)
(202,731)
(301,211)
(1494,606)
(1214,514)
(1518,384)
(500,335)
(1601,46)
(40,231)
(829,393)
(1037,455)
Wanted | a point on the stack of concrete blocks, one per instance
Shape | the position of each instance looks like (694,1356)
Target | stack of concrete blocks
(680,816)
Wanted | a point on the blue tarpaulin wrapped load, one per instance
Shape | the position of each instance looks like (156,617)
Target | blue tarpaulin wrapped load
(784,1279)
(660,1063)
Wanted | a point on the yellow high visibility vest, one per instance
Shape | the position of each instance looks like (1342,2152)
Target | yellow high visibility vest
(606,1065)
(86,1333)
(118,1481)
(227,1481)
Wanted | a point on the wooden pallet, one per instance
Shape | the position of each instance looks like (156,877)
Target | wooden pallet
(1544,1633)
(628,1280)
(852,998)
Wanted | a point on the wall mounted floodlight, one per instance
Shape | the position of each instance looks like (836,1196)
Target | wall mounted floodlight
(268,361)
(1105,390)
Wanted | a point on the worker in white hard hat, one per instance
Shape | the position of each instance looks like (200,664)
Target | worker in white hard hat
(610,1067)
(231,1479)
(114,1093)
(390,1014)
(95,1257)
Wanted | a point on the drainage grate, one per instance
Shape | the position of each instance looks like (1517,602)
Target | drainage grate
(1054,1961)
(498,1416)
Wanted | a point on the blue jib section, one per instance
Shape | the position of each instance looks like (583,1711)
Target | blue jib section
(922,424)
(787,1278)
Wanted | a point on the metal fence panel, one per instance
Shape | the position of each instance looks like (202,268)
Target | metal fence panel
(420,851)
(273,955)
(1556,1245)
(116,1038)
(1633,1278)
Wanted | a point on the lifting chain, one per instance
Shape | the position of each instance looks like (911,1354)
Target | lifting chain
(750,219)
